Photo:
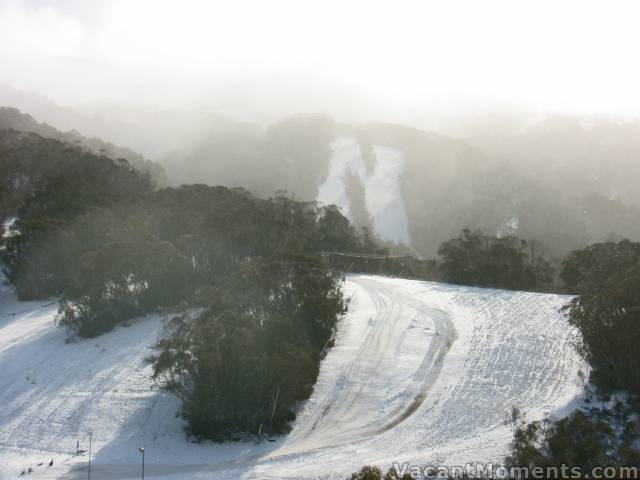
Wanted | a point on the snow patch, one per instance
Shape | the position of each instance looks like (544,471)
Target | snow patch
(510,227)
(382,187)
(8,228)
(346,156)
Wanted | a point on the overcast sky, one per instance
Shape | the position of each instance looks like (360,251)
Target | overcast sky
(560,55)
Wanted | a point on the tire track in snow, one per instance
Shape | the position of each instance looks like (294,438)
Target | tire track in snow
(344,416)
(400,384)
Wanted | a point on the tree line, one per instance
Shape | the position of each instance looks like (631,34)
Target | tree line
(477,259)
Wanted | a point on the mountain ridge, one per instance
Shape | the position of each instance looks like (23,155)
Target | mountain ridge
(12,118)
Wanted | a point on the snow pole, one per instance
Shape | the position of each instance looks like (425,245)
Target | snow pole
(275,404)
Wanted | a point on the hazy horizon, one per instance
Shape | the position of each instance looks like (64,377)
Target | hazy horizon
(409,62)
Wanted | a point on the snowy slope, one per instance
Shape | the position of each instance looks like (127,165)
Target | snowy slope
(421,372)
(382,187)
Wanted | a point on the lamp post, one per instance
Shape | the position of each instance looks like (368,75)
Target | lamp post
(142,452)
(89,469)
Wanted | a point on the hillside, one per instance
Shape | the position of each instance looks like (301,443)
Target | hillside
(421,372)
(30,162)
(153,132)
(581,155)
(407,185)
(413,187)
(13,119)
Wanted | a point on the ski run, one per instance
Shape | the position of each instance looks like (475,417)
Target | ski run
(421,372)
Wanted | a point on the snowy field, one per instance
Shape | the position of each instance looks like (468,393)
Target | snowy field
(421,373)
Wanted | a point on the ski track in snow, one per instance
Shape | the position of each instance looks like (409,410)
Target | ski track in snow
(421,372)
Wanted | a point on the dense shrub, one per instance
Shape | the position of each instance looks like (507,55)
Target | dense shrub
(51,185)
(477,259)
(374,473)
(253,351)
(126,250)
(584,439)
(607,311)
(586,270)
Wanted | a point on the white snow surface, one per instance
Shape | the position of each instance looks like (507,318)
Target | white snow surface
(421,372)
(383,196)
(8,228)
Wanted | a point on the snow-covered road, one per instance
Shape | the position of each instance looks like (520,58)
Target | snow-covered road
(421,373)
